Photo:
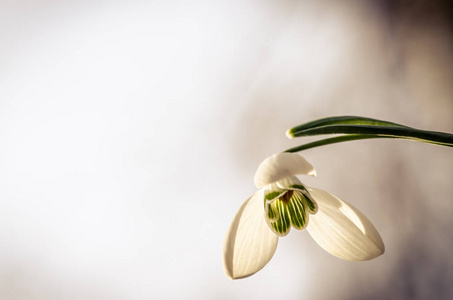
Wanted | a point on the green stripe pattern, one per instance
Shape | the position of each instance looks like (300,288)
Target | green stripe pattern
(308,199)
(290,209)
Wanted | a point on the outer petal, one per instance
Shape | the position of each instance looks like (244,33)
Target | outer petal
(282,165)
(342,230)
(249,243)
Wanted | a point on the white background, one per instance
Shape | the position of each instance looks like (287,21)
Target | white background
(130,132)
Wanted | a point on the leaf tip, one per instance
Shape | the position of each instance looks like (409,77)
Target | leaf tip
(290,133)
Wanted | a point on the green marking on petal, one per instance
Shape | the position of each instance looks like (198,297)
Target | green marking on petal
(282,226)
(291,209)
(304,210)
(312,206)
(298,187)
(288,203)
(271,192)
(271,212)
(310,202)
(308,199)
(297,214)
(272,195)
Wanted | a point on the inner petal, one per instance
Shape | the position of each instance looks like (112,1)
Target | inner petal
(293,184)
(290,209)
(282,226)
(298,211)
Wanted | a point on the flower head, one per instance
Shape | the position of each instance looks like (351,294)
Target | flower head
(282,202)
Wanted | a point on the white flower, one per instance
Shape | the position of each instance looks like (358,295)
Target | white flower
(283,201)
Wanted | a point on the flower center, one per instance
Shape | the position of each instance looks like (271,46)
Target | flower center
(287,196)
(288,208)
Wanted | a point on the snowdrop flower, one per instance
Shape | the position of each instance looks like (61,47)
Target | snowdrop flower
(282,202)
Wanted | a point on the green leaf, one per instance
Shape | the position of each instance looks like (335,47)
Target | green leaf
(395,132)
(358,128)
(340,120)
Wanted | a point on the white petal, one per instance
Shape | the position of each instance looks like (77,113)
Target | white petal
(249,243)
(287,183)
(342,230)
(282,165)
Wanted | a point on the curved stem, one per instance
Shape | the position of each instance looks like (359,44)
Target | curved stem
(334,140)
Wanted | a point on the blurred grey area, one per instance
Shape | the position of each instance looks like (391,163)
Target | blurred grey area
(131,131)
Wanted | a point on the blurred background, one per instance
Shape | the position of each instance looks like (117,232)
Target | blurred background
(130,132)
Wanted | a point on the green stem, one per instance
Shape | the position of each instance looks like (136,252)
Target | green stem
(334,140)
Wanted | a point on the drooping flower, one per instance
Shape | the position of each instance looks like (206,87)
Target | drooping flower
(282,202)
